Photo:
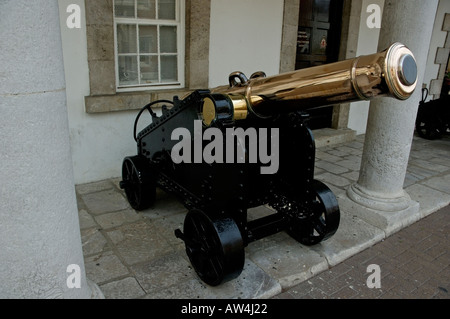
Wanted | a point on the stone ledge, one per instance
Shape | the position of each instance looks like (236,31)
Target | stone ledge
(329,136)
(442,56)
(435,87)
(446,23)
(127,101)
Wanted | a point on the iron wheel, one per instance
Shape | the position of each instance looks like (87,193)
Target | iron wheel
(214,246)
(138,182)
(323,220)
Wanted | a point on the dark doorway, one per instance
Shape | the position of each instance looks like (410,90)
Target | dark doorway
(319,38)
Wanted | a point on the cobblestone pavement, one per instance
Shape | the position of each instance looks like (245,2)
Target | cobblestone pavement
(136,255)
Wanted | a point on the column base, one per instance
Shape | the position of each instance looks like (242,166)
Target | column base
(388,214)
(373,200)
(96,293)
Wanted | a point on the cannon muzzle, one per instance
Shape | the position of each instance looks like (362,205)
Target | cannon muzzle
(392,72)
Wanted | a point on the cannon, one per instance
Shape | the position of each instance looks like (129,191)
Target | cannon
(225,150)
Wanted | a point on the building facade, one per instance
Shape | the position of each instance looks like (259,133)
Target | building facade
(90,65)
(214,38)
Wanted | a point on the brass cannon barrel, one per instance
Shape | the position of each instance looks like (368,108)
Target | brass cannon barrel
(392,72)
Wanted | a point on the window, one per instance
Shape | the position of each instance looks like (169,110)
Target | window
(149,44)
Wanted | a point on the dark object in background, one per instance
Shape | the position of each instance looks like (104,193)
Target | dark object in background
(433,117)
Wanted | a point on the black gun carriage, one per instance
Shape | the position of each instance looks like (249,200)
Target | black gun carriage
(218,193)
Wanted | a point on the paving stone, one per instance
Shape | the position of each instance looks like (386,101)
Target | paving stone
(334,272)
(104,267)
(419,172)
(441,183)
(138,242)
(162,272)
(327,157)
(326,137)
(338,152)
(336,190)
(333,179)
(389,248)
(440,147)
(352,176)
(334,285)
(86,220)
(355,144)
(284,295)
(346,292)
(318,171)
(430,165)
(127,288)
(268,242)
(165,205)
(105,202)
(353,235)
(441,161)
(93,187)
(311,289)
(351,164)
(419,154)
(188,289)
(330,167)
(253,283)
(350,150)
(116,182)
(173,277)
(410,180)
(166,227)
(115,219)
(289,262)
(428,198)
(93,241)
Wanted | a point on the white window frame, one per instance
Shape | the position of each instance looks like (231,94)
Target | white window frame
(179,22)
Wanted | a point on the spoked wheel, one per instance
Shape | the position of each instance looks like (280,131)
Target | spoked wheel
(322,223)
(214,246)
(138,182)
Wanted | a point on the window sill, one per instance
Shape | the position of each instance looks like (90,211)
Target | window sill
(128,101)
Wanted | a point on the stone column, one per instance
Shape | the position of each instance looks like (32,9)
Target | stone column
(39,226)
(378,196)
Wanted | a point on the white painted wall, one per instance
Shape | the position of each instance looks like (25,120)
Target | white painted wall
(437,40)
(245,36)
(367,44)
(99,142)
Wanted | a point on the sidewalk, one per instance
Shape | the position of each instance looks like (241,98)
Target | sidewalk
(136,255)
(413,263)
